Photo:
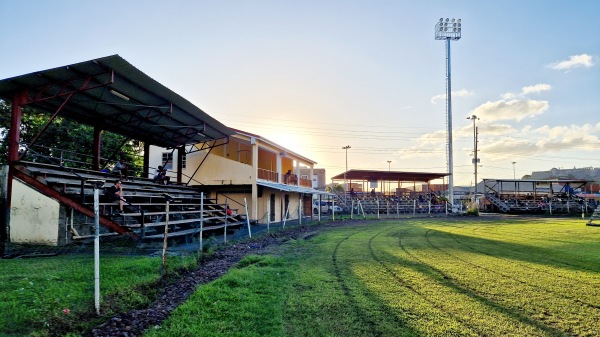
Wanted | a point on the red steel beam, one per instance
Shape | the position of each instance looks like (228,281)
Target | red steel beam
(45,189)
(38,96)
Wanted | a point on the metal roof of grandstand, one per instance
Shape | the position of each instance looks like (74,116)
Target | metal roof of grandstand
(289,188)
(111,93)
(370,175)
(540,181)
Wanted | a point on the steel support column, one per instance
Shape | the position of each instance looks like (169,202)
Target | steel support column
(146,168)
(14,138)
(180,153)
(96,148)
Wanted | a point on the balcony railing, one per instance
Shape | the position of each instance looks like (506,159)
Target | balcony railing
(305,182)
(267,175)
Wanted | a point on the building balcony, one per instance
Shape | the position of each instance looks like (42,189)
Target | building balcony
(267,175)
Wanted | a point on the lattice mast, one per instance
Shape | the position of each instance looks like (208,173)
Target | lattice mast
(447,30)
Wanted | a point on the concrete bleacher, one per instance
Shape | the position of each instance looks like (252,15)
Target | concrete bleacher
(388,205)
(144,213)
(527,204)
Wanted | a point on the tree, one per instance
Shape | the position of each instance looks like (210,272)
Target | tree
(64,139)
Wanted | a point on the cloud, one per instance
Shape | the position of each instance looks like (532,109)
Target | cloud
(427,145)
(532,89)
(508,95)
(460,93)
(488,129)
(544,140)
(535,88)
(574,61)
(516,110)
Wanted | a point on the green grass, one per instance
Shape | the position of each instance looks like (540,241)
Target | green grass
(432,277)
(34,292)
(468,276)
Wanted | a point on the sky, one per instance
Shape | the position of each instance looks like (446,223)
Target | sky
(316,76)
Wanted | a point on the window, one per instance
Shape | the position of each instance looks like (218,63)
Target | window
(167,160)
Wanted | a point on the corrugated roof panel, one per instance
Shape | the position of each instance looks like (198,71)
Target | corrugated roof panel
(112,93)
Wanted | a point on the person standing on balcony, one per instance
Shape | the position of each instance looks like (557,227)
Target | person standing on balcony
(287,176)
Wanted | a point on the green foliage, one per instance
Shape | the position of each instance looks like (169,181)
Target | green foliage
(472,210)
(71,139)
(335,187)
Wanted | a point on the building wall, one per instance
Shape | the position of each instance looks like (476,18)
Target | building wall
(318,178)
(217,170)
(232,164)
(263,205)
(34,217)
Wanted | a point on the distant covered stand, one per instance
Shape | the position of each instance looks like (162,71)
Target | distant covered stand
(364,177)
(534,195)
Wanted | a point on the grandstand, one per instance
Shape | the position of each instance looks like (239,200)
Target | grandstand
(521,196)
(47,200)
(392,192)
(51,204)
(144,216)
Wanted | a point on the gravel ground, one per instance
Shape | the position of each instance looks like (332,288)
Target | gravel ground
(135,322)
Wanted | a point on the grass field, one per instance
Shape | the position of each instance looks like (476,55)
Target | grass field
(420,277)
(434,277)
(35,292)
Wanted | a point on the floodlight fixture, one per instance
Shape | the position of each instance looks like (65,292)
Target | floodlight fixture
(118,94)
(448,29)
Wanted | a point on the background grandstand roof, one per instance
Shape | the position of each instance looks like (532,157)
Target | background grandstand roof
(369,175)
(111,93)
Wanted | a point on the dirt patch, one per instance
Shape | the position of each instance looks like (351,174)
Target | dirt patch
(135,322)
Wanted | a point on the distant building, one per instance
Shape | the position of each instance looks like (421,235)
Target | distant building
(587,173)
(318,178)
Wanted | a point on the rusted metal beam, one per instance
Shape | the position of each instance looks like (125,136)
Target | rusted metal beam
(50,192)
(96,148)
(38,94)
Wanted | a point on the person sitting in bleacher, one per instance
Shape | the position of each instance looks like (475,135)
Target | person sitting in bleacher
(114,193)
(120,168)
(161,177)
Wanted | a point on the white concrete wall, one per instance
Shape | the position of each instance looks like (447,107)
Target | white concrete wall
(34,217)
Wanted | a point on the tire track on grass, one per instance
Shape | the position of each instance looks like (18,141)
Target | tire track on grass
(346,290)
(412,289)
(472,293)
(509,235)
(532,267)
(510,261)
(591,306)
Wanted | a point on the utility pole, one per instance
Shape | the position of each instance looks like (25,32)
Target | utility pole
(345,183)
(514,174)
(475,159)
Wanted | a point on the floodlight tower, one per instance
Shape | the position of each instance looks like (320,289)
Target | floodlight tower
(449,29)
